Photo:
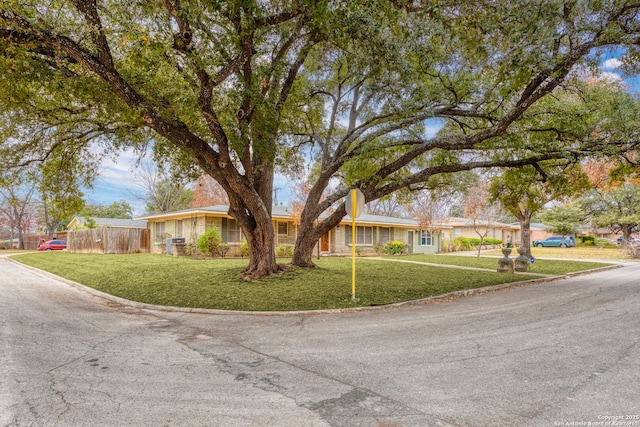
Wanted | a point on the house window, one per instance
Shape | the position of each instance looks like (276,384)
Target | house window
(283,228)
(425,238)
(160,234)
(364,235)
(384,235)
(233,231)
(229,231)
(179,233)
(457,232)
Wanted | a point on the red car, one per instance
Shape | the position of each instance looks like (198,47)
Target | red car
(53,245)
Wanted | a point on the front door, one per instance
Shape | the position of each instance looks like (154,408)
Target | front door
(410,241)
(324,243)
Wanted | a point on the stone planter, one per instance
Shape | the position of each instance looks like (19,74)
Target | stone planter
(522,262)
(505,264)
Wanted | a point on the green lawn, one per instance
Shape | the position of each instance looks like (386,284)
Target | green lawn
(187,282)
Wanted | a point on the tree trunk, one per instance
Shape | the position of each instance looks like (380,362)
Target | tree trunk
(627,229)
(525,228)
(262,257)
(305,242)
(254,218)
(309,234)
(20,238)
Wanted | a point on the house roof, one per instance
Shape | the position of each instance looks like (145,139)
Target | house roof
(112,222)
(380,219)
(276,212)
(280,212)
(534,226)
(469,222)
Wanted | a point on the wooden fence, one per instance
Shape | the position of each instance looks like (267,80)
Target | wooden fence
(32,241)
(109,240)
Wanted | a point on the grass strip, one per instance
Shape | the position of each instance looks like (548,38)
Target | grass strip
(216,284)
(540,266)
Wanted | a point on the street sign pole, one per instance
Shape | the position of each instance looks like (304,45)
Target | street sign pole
(353,242)
(354,204)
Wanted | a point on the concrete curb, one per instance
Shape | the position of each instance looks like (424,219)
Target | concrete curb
(428,300)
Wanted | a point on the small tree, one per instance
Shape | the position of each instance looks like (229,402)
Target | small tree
(17,210)
(211,242)
(563,219)
(478,207)
(524,191)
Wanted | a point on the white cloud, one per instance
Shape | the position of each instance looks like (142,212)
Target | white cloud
(611,64)
(610,77)
(117,181)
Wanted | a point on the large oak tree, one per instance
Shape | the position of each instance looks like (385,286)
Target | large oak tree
(241,87)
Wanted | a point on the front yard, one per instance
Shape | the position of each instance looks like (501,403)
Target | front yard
(216,284)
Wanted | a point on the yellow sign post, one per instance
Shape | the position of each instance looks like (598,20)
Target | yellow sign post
(353,244)
(354,204)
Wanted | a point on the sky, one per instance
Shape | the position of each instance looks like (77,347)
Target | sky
(119,181)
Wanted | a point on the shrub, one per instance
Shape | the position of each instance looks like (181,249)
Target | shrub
(190,249)
(475,241)
(244,248)
(378,248)
(447,246)
(587,240)
(395,247)
(462,243)
(211,242)
(222,249)
(284,250)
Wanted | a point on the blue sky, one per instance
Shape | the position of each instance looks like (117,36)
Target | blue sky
(118,180)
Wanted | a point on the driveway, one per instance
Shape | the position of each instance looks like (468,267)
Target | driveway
(544,355)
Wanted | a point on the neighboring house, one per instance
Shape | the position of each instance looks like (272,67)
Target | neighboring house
(603,233)
(538,231)
(466,227)
(371,230)
(82,223)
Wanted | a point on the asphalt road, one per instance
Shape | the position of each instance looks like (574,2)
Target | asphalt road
(559,353)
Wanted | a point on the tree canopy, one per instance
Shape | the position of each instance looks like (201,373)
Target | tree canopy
(615,207)
(345,90)
(121,209)
(563,219)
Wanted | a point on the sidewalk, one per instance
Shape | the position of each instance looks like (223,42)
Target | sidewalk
(460,267)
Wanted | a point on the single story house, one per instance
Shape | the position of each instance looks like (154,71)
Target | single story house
(538,231)
(466,227)
(372,231)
